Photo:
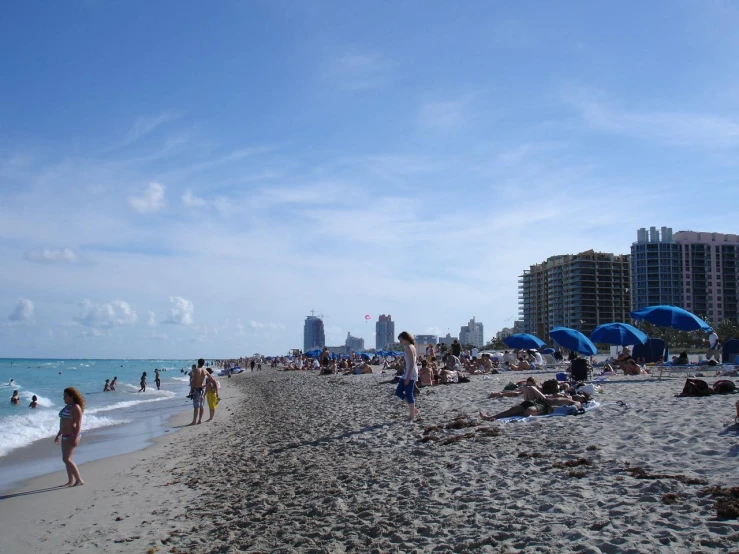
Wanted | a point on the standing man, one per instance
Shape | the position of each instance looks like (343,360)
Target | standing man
(197,389)
(157,381)
(456,348)
(474,353)
(713,347)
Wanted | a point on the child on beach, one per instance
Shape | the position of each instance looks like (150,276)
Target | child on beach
(407,382)
(143,382)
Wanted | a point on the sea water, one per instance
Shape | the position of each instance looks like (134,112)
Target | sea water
(20,426)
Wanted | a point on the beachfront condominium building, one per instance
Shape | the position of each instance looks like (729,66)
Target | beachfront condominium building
(448,339)
(709,271)
(580,291)
(694,270)
(353,344)
(313,333)
(472,333)
(656,273)
(384,332)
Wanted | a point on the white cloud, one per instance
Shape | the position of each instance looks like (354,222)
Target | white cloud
(191,201)
(110,314)
(52,256)
(181,312)
(152,200)
(93,332)
(23,311)
(151,320)
(256,324)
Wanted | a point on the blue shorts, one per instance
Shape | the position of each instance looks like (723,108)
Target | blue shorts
(405,392)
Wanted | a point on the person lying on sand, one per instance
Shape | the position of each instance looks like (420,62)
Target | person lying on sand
(535,403)
(632,368)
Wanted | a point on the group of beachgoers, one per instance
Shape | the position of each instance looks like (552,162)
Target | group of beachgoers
(204,388)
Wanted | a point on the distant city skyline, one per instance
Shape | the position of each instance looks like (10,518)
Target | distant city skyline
(186,196)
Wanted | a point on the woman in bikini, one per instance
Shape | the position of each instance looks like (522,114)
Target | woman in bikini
(535,403)
(70,426)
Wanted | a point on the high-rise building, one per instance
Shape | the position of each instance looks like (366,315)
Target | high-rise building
(656,273)
(426,339)
(313,333)
(384,332)
(709,275)
(693,270)
(580,291)
(448,339)
(472,334)
(353,344)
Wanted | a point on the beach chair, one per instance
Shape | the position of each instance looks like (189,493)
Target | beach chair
(730,351)
(652,351)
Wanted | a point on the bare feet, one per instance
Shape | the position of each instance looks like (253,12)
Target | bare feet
(193,423)
(78,484)
(486,417)
(68,484)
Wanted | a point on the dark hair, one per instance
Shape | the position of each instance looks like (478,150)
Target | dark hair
(550,386)
(209,370)
(405,335)
(34,398)
(144,374)
(201,362)
(76,396)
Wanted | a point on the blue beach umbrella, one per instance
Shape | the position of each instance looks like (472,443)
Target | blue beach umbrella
(523,341)
(573,340)
(618,333)
(547,351)
(313,353)
(672,316)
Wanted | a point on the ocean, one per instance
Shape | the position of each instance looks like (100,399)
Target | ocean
(114,422)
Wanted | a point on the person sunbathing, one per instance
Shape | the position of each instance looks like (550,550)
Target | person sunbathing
(523,364)
(632,368)
(509,390)
(535,403)
(425,374)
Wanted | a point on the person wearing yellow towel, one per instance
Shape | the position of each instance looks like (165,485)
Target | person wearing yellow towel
(212,387)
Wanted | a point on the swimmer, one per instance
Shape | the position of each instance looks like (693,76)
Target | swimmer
(34,402)
(106,388)
(113,383)
(11,383)
(15,399)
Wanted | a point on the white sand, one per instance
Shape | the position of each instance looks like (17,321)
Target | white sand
(311,463)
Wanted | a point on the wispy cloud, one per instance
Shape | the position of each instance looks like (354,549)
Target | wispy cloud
(190,200)
(359,71)
(675,128)
(106,315)
(446,115)
(143,125)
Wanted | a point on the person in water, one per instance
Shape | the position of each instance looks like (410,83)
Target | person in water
(70,427)
(34,402)
(15,399)
(106,388)
(157,381)
(113,383)
(143,382)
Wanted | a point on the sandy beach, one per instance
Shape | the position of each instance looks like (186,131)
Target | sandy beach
(296,462)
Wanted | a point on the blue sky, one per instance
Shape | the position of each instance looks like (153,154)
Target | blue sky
(189,179)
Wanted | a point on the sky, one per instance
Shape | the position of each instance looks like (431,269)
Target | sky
(182,179)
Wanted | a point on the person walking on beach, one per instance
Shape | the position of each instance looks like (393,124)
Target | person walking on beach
(407,382)
(70,426)
(143,382)
(157,381)
(212,387)
(197,389)
(713,347)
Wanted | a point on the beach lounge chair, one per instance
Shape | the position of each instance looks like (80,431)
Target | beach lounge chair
(652,351)
(730,351)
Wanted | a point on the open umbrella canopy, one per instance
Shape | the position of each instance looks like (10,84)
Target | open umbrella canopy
(313,353)
(672,316)
(523,340)
(573,340)
(547,351)
(618,333)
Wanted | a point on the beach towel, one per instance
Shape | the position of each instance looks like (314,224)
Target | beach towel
(587,407)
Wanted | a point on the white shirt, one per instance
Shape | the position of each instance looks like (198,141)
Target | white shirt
(712,340)
(474,352)
(316,365)
(411,369)
(538,359)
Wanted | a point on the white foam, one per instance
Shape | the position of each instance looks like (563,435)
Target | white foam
(22,430)
(42,401)
(183,379)
(129,403)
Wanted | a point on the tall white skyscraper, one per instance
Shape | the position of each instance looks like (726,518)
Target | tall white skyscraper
(472,333)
